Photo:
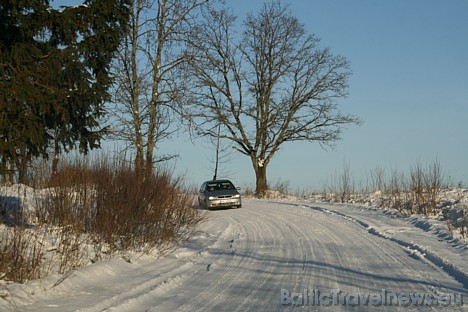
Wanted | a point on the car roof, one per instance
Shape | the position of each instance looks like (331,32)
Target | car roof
(218,181)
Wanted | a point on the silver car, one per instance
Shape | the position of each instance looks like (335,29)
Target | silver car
(219,194)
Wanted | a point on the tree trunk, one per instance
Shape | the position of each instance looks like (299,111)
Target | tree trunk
(261,181)
(149,161)
(55,160)
(151,141)
(135,89)
(139,162)
(21,165)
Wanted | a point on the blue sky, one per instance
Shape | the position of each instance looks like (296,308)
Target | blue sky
(410,86)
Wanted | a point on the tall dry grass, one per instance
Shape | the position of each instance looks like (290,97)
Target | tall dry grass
(416,192)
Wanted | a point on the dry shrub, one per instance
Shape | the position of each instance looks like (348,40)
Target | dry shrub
(94,208)
(346,185)
(21,252)
(398,195)
(425,187)
(456,218)
(417,193)
(123,209)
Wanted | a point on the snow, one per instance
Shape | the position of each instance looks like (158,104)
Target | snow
(244,259)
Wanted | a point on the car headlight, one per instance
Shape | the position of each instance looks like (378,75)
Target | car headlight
(236,196)
(211,198)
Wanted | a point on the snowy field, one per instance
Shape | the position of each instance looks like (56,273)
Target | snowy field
(274,255)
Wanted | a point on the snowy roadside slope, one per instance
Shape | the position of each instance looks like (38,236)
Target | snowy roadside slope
(243,258)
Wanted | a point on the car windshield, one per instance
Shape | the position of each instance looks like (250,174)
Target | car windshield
(217,186)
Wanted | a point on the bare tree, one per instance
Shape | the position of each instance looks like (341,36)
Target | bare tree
(270,85)
(147,79)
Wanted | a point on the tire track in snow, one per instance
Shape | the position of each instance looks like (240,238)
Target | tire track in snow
(248,255)
(414,250)
(234,270)
(295,249)
(291,249)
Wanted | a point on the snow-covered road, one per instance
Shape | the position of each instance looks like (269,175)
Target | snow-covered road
(255,257)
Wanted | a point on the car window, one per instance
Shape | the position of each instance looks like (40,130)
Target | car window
(226,186)
(217,186)
(211,187)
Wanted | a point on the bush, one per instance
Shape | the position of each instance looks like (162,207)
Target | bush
(21,254)
(99,209)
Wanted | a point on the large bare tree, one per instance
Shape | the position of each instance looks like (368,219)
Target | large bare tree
(266,86)
(147,76)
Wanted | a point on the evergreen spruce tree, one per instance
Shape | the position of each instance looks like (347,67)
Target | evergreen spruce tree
(54,76)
